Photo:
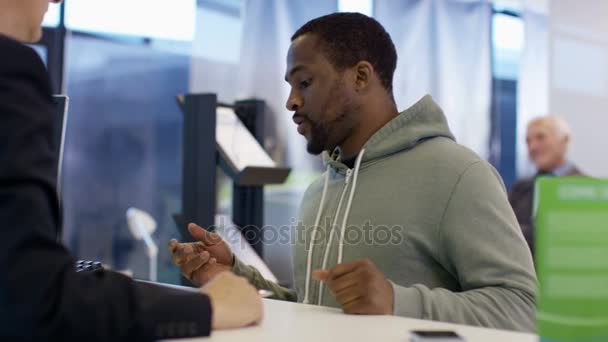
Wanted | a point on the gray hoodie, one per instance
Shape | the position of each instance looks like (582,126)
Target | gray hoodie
(430,214)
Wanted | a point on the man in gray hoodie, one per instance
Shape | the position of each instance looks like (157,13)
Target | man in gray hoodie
(404,221)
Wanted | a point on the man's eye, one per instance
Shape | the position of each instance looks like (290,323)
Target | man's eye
(304,84)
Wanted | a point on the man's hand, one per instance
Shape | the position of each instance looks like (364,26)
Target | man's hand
(359,287)
(200,261)
(235,303)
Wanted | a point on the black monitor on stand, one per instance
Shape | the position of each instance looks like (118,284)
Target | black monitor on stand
(229,136)
(61,119)
(58,141)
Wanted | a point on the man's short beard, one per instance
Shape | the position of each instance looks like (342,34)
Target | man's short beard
(321,137)
(318,139)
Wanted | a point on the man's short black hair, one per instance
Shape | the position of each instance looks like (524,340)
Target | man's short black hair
(348,38)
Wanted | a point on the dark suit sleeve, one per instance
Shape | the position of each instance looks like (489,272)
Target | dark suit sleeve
(41,296)
(521,198)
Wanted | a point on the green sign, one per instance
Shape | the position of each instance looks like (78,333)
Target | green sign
(572,259)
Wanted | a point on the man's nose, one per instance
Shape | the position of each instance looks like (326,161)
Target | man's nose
(294,102)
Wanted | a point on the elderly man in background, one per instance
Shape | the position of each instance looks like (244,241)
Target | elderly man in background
(547,139)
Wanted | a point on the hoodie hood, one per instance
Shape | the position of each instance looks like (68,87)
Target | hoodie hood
(422,121)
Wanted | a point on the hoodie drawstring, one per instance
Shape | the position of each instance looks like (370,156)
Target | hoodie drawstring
(348,204)
(314,235)
(331,231)
(342,230)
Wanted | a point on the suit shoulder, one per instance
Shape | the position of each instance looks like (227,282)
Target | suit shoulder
(19,58)
(524,182)
(577,172)
(521,185)
(23,76)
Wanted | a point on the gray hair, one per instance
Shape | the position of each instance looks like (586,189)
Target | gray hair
(559,126)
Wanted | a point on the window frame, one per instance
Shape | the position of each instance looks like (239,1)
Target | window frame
(503,115)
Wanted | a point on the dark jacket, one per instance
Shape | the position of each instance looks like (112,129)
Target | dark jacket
(41,296)
(521,197)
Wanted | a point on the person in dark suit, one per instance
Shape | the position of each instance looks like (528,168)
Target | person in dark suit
(41,295)
(547,139)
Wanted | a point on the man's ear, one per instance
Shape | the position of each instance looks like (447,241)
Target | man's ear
(364,72)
